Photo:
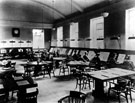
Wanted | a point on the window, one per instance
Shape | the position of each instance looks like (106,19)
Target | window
(130,30)
(97,32)
(74,35)
(60,36)
(38,38)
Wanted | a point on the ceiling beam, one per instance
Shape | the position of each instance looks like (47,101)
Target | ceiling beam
(74,4)
(50,7)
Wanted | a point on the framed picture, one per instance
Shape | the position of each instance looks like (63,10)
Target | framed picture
(15,32)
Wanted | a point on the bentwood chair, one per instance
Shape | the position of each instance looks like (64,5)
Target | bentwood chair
(13,65)
(121,88)
(28,70)
(63,68)
(2,96)
(132,84)
(2,93)
(73,97)
(47,69)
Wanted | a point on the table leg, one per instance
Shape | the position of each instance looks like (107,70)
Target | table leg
(99,88)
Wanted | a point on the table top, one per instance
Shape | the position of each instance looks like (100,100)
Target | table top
(18,83)
(34,63)
(5,57)
(18,78)
(1,86)
(5,69)
(22,82)
(59,58)
(29,90)
(109,74)
(78,63)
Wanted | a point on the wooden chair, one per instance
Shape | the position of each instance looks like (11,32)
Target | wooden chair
(13,65)
(87,81)
(80,80)
(10,85)
(2,96)
(121,88)
(46,69)
(73,97)
(132,84)
(64,68)
(2,93)
(28,69)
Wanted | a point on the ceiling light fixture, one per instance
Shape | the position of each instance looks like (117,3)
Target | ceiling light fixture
(105,14)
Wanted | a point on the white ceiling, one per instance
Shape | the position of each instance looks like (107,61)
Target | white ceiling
(46,11)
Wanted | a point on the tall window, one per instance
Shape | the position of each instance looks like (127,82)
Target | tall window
(97,32)
(60,36)
(130,29)
(38,38)
(74,35)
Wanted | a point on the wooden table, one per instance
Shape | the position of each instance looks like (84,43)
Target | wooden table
(18,83)
(57,60)
(105,75)
(79,65)
(37,66)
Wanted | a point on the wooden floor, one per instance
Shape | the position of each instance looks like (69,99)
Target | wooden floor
(51,90)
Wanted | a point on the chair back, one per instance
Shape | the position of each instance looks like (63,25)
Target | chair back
(77,95)
(2,92)
(73,97)
(13,65)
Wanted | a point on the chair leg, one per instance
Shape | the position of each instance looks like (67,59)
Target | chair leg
(64,71)
(53,73)
(60,71)
(89,84)
(118,97)
(108,95)
(126,97)
(76,83)
(68,70)
(80,85)
(49,75)
(43,74)
(130,96)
